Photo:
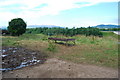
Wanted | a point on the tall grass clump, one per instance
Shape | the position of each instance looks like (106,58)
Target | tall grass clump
(51,47)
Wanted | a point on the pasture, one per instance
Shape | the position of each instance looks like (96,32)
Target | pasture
(102,51)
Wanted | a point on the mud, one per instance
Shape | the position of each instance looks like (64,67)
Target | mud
(57,68)
(18,57)
(24,63)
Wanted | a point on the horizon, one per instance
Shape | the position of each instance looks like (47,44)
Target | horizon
(71,13)
(51,26)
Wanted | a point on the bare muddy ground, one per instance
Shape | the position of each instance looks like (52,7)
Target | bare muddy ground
(56,68)
(17,57)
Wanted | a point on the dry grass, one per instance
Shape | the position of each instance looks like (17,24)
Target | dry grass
(101,51)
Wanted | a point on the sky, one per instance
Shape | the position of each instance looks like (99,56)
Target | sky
(65,13)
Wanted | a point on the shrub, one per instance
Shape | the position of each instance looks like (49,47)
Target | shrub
(51,47)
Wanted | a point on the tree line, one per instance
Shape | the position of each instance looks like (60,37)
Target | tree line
(17,26)
(110,29)
(65,31)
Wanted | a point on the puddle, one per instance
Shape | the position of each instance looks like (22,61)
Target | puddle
(14,51)
(15,58)
(4,55)
(3,51)
(23,64)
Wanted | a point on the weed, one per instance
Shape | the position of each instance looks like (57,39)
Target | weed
(52,47)
(100,51)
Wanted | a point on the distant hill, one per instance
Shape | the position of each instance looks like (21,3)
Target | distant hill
(3,27)
(106,26)
(50,26)
(37,26)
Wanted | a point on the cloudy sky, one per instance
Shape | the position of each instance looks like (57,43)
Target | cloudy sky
(66,13)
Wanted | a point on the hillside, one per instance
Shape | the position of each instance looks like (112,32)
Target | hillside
(37,26)
(106,26)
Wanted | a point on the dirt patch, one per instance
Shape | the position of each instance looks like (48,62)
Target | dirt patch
(56,68)
(17,57)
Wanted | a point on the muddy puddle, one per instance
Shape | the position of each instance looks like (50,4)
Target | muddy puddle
(16,57)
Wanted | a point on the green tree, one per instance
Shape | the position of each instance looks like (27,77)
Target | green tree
(17,27)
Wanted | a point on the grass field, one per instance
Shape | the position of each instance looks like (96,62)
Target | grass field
(102,51)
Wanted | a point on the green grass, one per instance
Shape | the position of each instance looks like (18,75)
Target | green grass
(93,55)
(110,34)
(8,41)
(102,51)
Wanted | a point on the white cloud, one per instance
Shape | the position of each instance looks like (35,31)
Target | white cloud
(5,18)
(56,5)
(29,11)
